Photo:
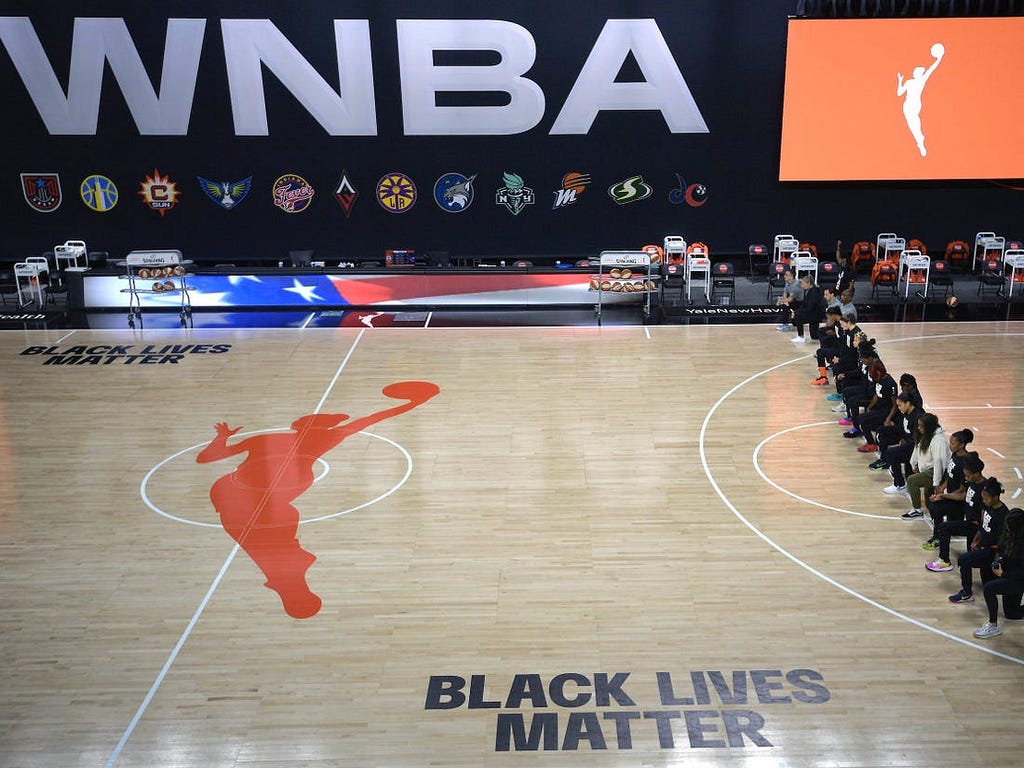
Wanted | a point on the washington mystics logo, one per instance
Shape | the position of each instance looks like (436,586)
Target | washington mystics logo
(454,192)
(41,191)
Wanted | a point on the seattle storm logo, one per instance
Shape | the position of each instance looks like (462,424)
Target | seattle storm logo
(515,195)
(454,192)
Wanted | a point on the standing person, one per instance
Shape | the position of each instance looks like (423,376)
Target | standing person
(929,458)
(811,310)
(983,547)
(255,499)
(947,500)
(974,480)
(1008,568)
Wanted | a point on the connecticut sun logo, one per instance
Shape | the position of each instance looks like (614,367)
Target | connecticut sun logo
(396,192)
(99,193)
(159,192)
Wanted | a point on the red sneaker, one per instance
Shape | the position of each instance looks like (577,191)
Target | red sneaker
(868,448)
(821,381)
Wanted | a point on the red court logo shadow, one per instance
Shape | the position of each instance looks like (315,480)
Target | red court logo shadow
(255,500)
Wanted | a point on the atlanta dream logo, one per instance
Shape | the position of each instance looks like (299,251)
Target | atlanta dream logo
(41,191)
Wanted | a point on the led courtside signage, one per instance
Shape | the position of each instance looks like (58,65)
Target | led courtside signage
(891,99)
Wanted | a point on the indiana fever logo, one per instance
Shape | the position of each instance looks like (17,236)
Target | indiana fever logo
(255,500)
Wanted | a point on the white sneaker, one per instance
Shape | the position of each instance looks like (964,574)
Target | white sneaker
(894,490)
(782,327)
(798,340)
(988,630)
(839,409)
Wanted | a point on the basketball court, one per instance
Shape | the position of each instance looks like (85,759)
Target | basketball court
(593,546)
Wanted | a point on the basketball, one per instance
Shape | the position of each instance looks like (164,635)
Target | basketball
(952,301)
(414,391)
(937,50)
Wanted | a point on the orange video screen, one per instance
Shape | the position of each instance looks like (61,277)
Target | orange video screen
(891,99)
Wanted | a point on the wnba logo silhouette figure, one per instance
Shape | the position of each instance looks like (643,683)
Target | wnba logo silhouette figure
(255,500)
(911,91)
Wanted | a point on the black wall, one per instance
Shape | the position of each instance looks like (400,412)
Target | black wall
(731,54)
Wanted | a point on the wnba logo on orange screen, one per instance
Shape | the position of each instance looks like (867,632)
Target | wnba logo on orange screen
(254,500)
(902,99)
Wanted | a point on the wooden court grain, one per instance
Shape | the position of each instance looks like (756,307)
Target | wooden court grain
(578,504)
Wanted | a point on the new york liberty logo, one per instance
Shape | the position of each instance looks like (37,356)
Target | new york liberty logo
(515,195)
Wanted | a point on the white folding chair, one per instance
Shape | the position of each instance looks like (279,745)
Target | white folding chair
(675,249)
(915,269)
(987,245)
(882,238)
(803,263)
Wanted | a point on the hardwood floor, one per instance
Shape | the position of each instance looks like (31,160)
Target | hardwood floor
(587,549)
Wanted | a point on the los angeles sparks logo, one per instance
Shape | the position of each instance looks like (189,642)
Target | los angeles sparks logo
(255,500)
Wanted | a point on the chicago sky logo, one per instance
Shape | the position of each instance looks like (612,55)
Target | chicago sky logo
(573,185)
(98,192)
(396,192)
(226,194)
(345,194)
(454,192)
(630,190)
(41,191)
(292,193)
(515,195)
(159,192)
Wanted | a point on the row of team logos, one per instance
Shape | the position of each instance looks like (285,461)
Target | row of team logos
(395,192)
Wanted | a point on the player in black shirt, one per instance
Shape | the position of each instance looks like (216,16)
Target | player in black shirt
(968,526)
(947,502)
(1009,572)
(985,542)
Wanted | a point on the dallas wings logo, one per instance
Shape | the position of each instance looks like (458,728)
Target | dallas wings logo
(226,194)
(41,191)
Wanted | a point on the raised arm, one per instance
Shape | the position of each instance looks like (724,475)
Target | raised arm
(218,447)
(414,392)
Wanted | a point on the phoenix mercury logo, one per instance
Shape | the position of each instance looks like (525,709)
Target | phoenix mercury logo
(912,89)
(255,500)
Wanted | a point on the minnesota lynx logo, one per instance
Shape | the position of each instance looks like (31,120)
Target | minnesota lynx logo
(453,192)
(515,195)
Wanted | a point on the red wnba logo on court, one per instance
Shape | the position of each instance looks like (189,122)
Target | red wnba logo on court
(255,500)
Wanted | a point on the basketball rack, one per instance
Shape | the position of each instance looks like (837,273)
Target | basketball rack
(152,273)
(624,272)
